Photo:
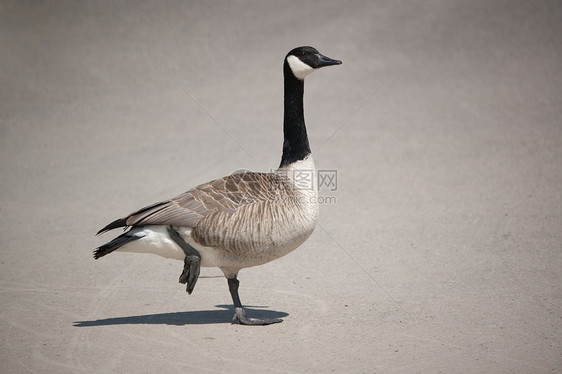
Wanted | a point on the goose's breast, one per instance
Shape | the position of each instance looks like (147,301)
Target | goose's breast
(255,234)
(288,231)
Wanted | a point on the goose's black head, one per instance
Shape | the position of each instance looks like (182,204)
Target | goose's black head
(302,61)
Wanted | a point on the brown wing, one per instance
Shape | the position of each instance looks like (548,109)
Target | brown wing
(226,195)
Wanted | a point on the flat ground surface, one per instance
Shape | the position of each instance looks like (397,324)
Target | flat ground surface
(439,251)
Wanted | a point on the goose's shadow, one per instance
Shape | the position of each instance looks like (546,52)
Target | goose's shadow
(199,317)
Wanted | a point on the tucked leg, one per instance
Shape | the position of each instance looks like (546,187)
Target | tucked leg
(191,263)
(239,311)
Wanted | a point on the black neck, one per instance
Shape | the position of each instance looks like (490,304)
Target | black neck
(295,145)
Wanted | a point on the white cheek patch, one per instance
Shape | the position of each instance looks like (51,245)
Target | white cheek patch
(299,68)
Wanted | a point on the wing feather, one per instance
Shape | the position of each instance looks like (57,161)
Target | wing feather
(225,195)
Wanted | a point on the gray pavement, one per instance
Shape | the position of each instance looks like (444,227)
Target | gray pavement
(440,250)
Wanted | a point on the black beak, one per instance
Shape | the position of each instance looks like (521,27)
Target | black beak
(325,61)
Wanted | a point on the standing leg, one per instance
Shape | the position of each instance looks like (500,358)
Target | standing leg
(239,311)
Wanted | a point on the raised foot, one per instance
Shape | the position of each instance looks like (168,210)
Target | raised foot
(241,318)
(190,273)
(191,263)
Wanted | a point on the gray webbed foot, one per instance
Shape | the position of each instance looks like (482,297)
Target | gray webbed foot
(190,273)
(241,318)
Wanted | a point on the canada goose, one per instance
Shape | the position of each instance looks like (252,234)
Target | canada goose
(240,220)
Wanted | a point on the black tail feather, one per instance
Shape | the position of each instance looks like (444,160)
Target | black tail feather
(116,243)
(133,217)
(121,222)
